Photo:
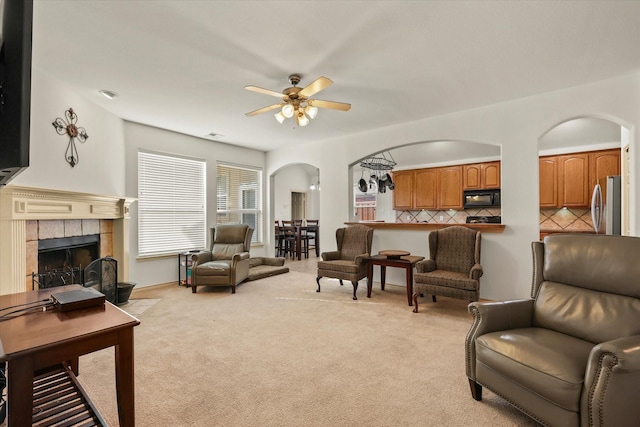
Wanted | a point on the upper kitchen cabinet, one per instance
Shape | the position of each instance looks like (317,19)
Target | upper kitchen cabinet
(426,189)
(601,164)
(567,180)
(481,176)
(573,180)
(403,192)
(548,182)
(429,188)
(450,187)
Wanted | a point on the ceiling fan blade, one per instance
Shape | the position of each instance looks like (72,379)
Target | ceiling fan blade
(316,86)
(264,91)
(331,104)
(265,109)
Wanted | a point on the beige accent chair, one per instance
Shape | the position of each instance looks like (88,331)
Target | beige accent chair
(570,355)
(350,261)
(226,263)
(453,268)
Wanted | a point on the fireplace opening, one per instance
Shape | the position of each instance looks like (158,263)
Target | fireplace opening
(61,260)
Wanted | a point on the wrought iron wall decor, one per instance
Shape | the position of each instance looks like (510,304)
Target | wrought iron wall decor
(67,126)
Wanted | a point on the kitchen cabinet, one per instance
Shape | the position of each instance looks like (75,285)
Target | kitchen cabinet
(426,189)
(573,180)
(403,192)
(567,180)
(548,180)
(450,187)
(601,164)
(481,176)
(429,188)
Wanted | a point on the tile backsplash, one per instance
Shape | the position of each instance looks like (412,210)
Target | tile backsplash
(566,219)
(443,217)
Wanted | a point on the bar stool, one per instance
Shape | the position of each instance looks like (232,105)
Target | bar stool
(289,233)
(312,234)
(278,238)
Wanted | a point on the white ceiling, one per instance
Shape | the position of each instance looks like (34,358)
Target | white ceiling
(183,65)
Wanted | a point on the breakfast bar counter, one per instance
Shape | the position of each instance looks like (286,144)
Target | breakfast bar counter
(423,226)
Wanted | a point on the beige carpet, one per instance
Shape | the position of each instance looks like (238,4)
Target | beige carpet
(277,353)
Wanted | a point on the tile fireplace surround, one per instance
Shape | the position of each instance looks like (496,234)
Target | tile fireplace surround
(20,205)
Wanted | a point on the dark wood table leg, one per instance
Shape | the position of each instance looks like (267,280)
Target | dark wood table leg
(124,378)
(383,276)
(369,278)
(20,391)
(409,269)
(299,242)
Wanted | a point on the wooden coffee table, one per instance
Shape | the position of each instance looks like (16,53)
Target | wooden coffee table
(393,258)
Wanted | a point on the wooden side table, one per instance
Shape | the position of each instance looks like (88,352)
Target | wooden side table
(393,258)
(40,340)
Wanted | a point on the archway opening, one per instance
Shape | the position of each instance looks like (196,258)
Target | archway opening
(574,157)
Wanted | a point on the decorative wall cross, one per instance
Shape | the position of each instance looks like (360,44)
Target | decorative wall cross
(68,126)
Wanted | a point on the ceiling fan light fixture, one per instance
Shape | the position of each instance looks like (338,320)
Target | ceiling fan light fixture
(297,102)
(303,120)
(311,111)
(287,111)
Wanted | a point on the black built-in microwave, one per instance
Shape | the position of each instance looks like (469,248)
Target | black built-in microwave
(481,198)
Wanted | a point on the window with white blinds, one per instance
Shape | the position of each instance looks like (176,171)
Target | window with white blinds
(239,197)
(171,204)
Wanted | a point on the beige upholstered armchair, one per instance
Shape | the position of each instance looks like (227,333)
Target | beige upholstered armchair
(453,269)
(226,263)
(570,355)
(350,261)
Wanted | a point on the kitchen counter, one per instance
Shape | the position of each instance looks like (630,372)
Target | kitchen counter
(423,226)
(547,231)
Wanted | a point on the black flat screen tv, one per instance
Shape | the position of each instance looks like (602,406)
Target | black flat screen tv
(16,20)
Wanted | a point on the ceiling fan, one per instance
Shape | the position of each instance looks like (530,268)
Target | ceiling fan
(297,102)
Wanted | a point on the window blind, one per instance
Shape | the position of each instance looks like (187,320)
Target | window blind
(239,199)
(171,204)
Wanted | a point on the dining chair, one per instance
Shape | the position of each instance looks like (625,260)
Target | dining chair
(312,235)
(303,235)
(278,238)
(289,234)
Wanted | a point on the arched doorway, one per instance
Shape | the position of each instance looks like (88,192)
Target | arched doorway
(294,194)
(573,156)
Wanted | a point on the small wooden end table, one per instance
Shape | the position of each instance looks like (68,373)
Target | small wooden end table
(393,258)
(44,339)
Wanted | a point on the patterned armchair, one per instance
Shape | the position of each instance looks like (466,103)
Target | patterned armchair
(226,263)
(350,261)
(453,269)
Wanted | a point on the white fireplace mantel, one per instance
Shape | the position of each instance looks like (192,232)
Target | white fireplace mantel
(20,204)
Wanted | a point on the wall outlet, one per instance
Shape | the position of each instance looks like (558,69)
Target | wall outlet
(441,218)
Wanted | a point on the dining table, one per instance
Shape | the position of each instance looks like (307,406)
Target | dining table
(300,231)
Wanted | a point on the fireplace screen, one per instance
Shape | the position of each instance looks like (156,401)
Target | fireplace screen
(61,260)
(102,275)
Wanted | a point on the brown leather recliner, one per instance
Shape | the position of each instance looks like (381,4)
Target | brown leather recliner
(226,263)
(570,355)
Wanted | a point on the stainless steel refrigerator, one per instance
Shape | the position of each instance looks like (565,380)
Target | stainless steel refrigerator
(606,205)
